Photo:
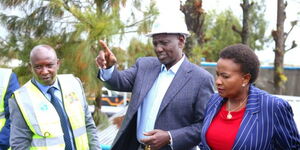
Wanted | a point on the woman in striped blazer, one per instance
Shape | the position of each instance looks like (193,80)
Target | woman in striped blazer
(241,116)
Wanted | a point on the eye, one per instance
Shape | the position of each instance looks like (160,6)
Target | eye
(225,76)
(154,44)
(164,43)
(37,67)
(50,65)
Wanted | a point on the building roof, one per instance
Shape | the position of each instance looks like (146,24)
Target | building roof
(107,135)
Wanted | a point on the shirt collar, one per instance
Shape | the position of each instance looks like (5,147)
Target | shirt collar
(44,88)
(175,67)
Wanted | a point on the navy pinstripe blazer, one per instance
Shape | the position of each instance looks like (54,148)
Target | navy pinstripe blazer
(268,123)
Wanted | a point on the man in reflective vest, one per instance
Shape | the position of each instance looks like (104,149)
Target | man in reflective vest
(8,84)
(50,111)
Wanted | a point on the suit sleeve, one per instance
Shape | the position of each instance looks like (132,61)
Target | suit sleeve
(286,133)
(91,130)
(191,135)
(123,80)
(20,135)
(5,131)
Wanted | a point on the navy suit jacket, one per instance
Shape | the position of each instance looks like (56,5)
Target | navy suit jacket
(5,132)
(181,111)
(268,123)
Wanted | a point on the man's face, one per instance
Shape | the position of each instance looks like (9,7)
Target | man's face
(44,66)
(168,48)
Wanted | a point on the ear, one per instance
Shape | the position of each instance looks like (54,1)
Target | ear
(181,42)
(58,62)
(246,79)
(30,67)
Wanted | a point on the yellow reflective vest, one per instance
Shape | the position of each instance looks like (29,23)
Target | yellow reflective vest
(4,81)
(43,120)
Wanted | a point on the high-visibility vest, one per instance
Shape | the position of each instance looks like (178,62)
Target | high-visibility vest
(43,120)
(4,80)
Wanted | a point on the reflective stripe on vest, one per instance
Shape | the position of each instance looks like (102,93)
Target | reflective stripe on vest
(51,142)
(74,101)
(43,120)
(4,81)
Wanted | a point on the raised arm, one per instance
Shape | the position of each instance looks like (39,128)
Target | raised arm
(105,58)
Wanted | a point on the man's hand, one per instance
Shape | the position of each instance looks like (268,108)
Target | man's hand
(105,58)
(156,139)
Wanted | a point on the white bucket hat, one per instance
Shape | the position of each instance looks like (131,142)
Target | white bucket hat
(172,22)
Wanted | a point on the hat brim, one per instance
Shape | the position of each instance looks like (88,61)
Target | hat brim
(153,33)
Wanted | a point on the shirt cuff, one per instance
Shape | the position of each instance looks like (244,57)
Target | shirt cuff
(105,74)
(171,141)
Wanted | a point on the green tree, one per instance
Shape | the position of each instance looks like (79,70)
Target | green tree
(280,37)
(253,27)
(195,18)
(219,33)
(211,32)
(73,28)
(138,49)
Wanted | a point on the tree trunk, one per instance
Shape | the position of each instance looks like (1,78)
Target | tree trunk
(278,36)
(245,30)
(194,16)
(244,34)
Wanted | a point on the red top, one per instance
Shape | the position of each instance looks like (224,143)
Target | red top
(222,131)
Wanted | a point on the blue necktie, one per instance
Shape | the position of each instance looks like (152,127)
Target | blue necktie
(63,119)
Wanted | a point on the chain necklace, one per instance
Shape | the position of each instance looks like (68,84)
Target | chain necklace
(229,116)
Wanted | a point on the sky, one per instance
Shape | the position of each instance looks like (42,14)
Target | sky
(267,55)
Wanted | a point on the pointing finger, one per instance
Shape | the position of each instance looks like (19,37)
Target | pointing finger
(100,60)
(104,46)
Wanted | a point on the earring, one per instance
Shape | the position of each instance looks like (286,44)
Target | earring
(243,85)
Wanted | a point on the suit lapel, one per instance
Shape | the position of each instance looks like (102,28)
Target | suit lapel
(218,102)
(181,78)
(150,74)
(149,78)
(249,119)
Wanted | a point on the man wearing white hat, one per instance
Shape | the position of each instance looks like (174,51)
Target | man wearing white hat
(169,93)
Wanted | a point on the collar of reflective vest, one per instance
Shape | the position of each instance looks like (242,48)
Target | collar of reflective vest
(43,120)
(4,80)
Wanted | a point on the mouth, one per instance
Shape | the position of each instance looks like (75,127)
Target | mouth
(46,78)
(161,55)
(220,90)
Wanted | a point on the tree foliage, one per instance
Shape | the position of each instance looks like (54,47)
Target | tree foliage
(252,31)
(138,49)
(71,27)
(219,33)
(194,17)
(211,31)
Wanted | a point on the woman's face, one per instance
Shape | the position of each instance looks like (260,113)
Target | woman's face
(229,79)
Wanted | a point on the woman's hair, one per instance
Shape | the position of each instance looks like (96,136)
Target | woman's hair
(243,55)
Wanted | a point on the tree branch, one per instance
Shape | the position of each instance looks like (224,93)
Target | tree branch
(236,30)
(133,31)
(135,23)
(293,24)
(294,44)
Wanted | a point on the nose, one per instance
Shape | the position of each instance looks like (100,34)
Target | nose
(158,48)
(44,70)
(218,81)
